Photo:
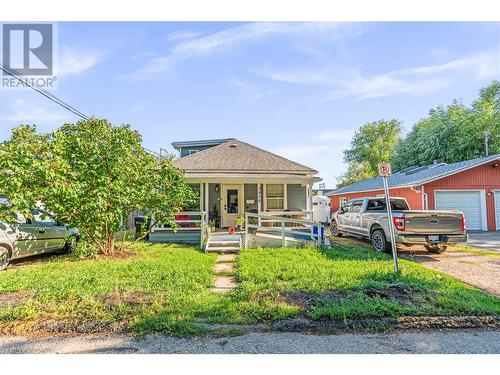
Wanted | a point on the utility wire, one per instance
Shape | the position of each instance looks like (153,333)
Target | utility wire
(43,92)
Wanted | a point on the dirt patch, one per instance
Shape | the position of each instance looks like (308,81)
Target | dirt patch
(14,298)
(124,254)
(78,327)
(394,293)
(134,298)
(306,299)
(385,324)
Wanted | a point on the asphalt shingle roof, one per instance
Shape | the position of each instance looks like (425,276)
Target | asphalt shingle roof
(235,155)
(415,176)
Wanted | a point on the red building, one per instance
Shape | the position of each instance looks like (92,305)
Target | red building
(471,186)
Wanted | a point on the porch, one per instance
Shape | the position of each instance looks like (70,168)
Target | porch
(227,201)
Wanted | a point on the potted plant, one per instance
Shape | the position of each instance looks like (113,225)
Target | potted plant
(239,221)
(212,225)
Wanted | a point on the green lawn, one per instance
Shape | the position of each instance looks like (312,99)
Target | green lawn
(167,288)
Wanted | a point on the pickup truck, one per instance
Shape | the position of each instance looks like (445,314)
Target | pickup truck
(368,218)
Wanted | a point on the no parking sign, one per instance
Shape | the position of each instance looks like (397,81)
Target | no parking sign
(384,170)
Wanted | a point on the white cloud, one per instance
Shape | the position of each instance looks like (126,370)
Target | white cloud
(324,157)
(235,36)
(417,81)
(74,61)
(341,136)
(21,111)
(182,35)
(251,91)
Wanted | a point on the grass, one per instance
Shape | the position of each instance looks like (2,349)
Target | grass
(474,250)
(166,288)
(347,273)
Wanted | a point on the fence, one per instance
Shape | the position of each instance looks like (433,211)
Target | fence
(278,231)
(190,229)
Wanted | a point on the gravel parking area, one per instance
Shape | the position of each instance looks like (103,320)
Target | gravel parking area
(256,342)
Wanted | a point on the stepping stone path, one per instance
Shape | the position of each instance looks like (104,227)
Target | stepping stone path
(224,284)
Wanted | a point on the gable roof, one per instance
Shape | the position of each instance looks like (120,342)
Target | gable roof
(238,156)
(414,176)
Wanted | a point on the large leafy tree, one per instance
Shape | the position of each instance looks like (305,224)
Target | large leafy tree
(371,145)
(453,133)
(90,175)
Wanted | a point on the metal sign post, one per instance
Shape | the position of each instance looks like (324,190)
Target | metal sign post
(384,170)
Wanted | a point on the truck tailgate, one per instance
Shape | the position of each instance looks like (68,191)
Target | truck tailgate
(435,222)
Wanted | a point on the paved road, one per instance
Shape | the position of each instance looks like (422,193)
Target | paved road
(408,342)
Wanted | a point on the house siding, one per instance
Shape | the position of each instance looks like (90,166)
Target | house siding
(184,151)
(296,197)
(483,177)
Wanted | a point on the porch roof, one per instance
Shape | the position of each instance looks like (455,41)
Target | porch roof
(250,177)
(237,157)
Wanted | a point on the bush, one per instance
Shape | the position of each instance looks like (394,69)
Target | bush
(85,249)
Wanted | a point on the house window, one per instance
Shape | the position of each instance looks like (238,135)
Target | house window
(275,196)
(191,152)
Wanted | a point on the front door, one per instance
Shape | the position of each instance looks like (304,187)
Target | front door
(231,204)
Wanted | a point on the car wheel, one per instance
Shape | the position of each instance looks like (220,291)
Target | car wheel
(436,249)
(69,246)
(4,258)
(334,229)
(379,241)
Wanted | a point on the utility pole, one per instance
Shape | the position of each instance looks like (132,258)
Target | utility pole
(487,135)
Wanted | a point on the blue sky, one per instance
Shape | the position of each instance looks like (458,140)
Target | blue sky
(297,89)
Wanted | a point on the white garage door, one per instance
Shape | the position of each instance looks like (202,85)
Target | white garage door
(469,202)
(497,208)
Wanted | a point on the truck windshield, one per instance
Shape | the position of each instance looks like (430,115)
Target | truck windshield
(379,205)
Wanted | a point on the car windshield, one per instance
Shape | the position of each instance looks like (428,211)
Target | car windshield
(379,205)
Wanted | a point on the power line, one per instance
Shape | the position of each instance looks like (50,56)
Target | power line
(43,92)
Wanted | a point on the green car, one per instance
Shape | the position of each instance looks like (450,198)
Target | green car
(37,234)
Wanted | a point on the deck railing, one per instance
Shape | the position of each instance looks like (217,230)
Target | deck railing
(186,221)
(281,228)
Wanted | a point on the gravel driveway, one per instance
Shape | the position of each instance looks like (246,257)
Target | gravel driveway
(258,342)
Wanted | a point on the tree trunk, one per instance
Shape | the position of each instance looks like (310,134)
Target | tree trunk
(110,244)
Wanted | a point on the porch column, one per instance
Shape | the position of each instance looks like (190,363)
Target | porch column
(308,199)
(265,195)
(259,203)
(285,197)
(207,209)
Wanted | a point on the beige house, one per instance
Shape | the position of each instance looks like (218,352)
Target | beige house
(234,177)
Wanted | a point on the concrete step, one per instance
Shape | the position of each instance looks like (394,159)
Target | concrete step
(228,249)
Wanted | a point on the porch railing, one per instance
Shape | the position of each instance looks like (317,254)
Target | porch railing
(186,221)
(279,228)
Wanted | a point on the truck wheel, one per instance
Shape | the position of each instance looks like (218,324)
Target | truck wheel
(4,258)
(334,229)
(436,249)
(379,241)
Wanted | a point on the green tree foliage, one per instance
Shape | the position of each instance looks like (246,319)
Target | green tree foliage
(90,175)
(453,133)
(356,171)
(372,144)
